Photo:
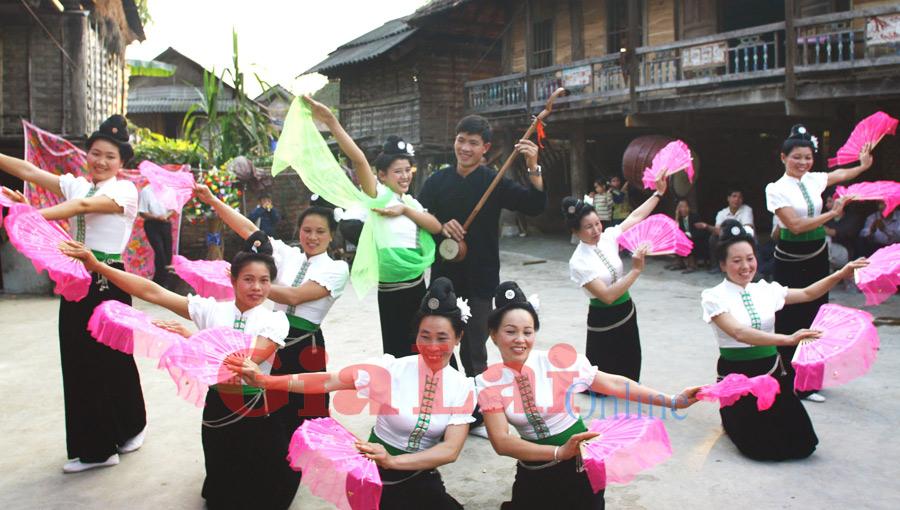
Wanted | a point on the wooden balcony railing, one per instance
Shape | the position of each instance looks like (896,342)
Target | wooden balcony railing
(827,43)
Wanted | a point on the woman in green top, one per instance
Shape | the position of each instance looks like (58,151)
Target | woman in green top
(549,431)
(801,255)
(402,229)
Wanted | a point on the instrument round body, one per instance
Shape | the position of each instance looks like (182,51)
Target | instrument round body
(452,250)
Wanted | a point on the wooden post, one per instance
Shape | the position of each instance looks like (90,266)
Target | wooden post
(790,50)
(28,75)
(577,160)
(632,60)
(528,45)
(576,23)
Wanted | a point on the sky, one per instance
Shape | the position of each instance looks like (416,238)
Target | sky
(278,39)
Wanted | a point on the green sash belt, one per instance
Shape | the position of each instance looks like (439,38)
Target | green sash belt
(561,438)
(107,257)
(393,450)
(245,390)
(747,353)
(600,304)
(301,323)
(812,235)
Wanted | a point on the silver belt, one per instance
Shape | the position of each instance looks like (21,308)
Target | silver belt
(297,339)
(395,482)
(538,467)
(601,329)
(778,363)
(793,257)
(394,287)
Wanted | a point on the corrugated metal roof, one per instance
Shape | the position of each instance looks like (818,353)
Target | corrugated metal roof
(167,99)
(435,7)
(367,46)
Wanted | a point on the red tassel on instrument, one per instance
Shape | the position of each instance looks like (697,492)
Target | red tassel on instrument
(540,134)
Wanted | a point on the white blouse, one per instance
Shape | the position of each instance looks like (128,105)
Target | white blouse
(329,273)
(550,384)
(208,313)
(406,385)
(766,297)
(396,231)
(785,192)
(106,232)
(586,264)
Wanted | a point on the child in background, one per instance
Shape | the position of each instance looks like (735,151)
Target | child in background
(603,200)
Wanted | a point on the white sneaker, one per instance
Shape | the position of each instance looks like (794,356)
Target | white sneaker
(480,431)
(816,397)
(76,466)
(134,443)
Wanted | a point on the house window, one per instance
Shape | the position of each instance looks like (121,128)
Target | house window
(542,44)
(617,29)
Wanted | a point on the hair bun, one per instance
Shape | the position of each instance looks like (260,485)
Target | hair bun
(258,242)
(440,297)
(572,207)
(507,293)
(396,145)
(733,230)
(800,132)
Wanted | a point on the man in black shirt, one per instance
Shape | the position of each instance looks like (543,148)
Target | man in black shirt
(451,194)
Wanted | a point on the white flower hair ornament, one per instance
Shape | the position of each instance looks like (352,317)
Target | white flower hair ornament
(815,142)
(338,214)
(464,311)
(535,302)
(409,149)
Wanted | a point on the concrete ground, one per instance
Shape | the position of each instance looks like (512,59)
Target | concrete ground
(855,465)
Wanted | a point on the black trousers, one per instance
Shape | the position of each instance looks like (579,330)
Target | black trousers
(101,386)
(560,486)
(797,275)
(396,309)
(245,459)
(159,235)
(617,350)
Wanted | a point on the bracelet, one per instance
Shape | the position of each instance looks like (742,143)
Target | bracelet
(537,171)
(656,194)
(290,382)
(556,454)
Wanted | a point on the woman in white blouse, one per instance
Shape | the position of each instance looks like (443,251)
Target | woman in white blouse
(742,314)
(425,405)
(402,226)
(104,404)
(309,281)
(613,340)
(243,445)
(531,390)
(801,253)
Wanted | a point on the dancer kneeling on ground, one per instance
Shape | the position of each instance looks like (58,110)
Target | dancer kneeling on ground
(244,454)
(425,413)
(742,314)
(549,433)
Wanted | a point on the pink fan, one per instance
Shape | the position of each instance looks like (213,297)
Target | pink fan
(879,280)
(661,233)
(39,240)
(210,278)
(871,129)
(333,469)
(195,363)
(626,446)
(845,351)
(884,191)
(172,188)
(734,386)
(672,158)
(129,330)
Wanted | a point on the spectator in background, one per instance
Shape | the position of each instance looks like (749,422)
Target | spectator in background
(879,231)
(265,216)
(159,233)
(687,222)
(621,200)
(736,210)
(603,201)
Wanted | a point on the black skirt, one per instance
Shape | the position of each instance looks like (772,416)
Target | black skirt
(797,275)
(782,432)
(560,486)
(616,350)
(408,489)
(245,459)
(303,356)
(396,309)
(102,390)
